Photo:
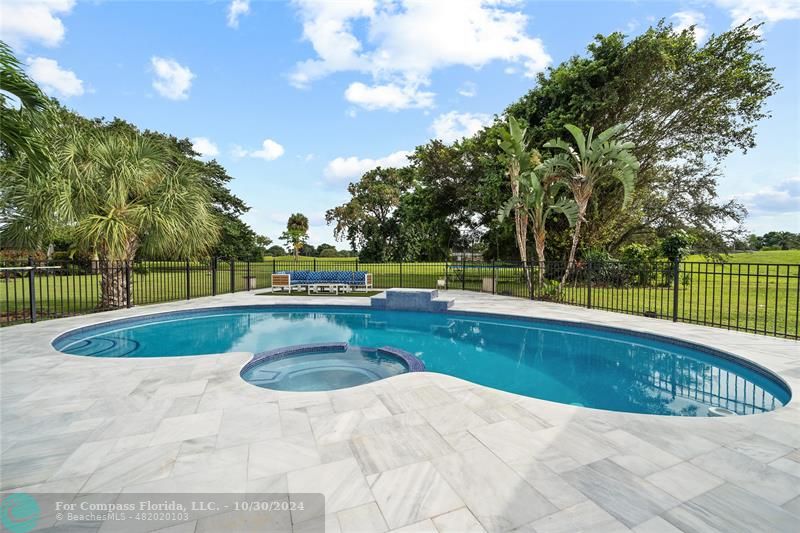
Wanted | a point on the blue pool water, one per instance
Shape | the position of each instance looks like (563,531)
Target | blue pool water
(564,363)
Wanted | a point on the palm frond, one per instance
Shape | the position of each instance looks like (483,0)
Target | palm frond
(567,207)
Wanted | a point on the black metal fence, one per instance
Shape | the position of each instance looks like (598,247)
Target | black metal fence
(757,298)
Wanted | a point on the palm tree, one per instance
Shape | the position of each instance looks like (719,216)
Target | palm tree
(117,195)
(518,161)
(596,159)
(19,126)
(540,196)
(296,232)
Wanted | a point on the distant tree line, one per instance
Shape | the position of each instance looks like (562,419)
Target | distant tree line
(322,251)
(773,240)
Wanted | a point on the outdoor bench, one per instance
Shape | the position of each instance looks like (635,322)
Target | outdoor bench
(332,280)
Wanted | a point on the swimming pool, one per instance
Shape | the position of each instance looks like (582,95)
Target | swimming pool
(567,363)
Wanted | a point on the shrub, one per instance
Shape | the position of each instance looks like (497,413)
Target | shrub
(639,263)
(604,269)
(677,245)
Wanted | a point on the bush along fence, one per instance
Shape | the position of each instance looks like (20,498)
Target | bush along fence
(756,298)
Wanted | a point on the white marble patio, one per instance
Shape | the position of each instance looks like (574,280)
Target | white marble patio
(418,452)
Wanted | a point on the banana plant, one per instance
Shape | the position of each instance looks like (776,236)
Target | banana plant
(591,160)
(519,161)
(541,196)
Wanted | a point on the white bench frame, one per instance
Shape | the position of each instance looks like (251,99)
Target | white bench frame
(284,281)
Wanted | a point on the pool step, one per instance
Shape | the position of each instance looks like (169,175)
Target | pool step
(411,300)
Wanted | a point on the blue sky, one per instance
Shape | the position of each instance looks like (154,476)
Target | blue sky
(297,99)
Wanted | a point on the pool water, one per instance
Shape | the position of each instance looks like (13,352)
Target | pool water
(323,370)
(569,364)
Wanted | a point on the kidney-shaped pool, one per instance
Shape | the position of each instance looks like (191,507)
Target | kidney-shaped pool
(568,363)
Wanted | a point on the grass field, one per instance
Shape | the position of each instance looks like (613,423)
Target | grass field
(751,291)
(766,257)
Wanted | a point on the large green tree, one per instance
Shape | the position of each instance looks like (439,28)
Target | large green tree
(686,107)
(115,194)
(367,221)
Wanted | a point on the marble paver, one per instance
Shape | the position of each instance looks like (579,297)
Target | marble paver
(458,521)
(417,452)
(411,493)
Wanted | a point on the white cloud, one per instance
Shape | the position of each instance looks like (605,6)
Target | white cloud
(783,197)
(343,168)
(452,126)
(761,10)
(236,9)
(270,150)
(468,89)
(205,147)
(54,79)
(405,41)
(391,97)
(173,80)
(35,21)
(685,19)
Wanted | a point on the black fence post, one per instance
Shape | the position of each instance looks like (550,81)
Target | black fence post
(445,271)
(127,284)
(32,288)
(213,276)
(589,285)
(463,271)
(494,277)
(401,273)
(676,269)
(528,278)
(247,281)
(233,276)
(188,281)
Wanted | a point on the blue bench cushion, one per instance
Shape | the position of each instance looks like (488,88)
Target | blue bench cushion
(343,277)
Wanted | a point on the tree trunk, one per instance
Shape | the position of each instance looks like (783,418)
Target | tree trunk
(521,220)
(576,236)
(113,291)
(521,230)
(112,285)
(539,238)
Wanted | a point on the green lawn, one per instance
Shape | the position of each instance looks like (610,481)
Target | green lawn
(767,257)
(760,297)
